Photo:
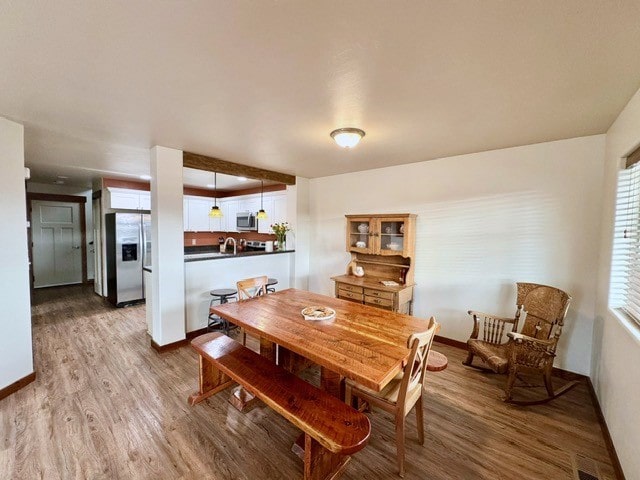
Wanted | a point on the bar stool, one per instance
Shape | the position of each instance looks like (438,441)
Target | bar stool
(270,283)
(220,296)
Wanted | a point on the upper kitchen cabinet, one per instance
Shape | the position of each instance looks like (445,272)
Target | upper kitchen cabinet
(392,234)
(196,215)
(275,204)
(229,212)
(127,199)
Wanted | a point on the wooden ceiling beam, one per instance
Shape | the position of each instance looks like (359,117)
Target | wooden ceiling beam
(211,164)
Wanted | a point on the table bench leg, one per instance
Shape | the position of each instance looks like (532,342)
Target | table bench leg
(211,381)
(320,463)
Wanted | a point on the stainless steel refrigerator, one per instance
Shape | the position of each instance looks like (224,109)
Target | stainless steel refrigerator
(128,249)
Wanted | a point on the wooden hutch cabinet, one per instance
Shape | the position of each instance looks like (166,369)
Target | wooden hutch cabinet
(383,247)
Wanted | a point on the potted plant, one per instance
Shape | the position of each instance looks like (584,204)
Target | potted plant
(280,230)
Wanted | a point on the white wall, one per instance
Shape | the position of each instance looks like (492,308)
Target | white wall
(616,349)
(485,221)
(15,322)
(88,212)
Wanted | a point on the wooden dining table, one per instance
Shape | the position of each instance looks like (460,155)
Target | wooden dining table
(363,343)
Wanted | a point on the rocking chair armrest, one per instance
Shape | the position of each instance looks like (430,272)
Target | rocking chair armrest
(487,316)
(520,338)
(522,343)
(474,314)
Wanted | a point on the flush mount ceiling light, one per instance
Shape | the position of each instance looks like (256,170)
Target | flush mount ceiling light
(262,215)
(242,179)
(347,137)
(215,210)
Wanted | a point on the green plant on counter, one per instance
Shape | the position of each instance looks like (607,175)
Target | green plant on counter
(280,230)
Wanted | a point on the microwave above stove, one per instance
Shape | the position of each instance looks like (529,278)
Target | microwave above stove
(246,221)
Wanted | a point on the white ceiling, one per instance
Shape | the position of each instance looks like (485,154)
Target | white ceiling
(263,83)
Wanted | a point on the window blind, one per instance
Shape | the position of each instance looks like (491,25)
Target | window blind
(624,290)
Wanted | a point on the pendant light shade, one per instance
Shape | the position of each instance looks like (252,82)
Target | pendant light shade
(262,215)
(215,211)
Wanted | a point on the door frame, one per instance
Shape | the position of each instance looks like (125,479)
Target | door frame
(53,197)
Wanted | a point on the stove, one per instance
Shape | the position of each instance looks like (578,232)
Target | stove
(255,245)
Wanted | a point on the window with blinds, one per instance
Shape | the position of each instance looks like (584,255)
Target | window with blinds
(624,290)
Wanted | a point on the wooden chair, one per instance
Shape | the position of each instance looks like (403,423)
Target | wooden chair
(249,288)
(404,391)
(530,351)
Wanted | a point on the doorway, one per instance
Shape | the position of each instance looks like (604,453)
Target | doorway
(57,240)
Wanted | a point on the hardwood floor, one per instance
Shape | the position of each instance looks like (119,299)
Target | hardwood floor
(105,405)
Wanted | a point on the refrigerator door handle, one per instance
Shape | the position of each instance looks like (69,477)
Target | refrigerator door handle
(143,241)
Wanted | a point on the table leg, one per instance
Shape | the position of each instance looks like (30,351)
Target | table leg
(268,349)
(332,382)
(291,361)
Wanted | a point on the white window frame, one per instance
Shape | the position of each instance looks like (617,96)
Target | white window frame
(624,287)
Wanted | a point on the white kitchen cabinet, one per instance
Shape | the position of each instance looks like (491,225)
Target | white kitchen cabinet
(264,226)
(249,204)
(197,218)
(126,199)
(217,224)
(230,211)
(185,214)
(145,201)
(279,209)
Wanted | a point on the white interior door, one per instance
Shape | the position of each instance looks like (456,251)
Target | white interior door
(56,236)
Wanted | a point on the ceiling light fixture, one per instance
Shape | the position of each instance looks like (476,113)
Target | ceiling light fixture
(242,179)
(347,137)
(262,215)
(215,210)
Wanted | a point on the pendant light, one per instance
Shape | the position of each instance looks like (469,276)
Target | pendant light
(262,215)
(215,210)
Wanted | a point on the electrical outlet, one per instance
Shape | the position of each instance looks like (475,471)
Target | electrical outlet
(193,241)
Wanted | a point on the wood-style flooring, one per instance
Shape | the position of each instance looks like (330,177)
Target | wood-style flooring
(105,405)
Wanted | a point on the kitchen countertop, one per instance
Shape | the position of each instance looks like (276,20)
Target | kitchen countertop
(195,257)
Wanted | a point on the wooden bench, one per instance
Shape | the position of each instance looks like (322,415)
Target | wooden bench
(332,429)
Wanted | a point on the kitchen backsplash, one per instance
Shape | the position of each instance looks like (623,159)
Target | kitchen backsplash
(211,238)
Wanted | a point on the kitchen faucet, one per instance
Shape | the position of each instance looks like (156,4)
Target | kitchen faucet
(235,246)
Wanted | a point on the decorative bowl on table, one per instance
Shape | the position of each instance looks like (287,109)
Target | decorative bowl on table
(317,312)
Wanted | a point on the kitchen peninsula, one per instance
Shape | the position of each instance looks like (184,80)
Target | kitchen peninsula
(206,271)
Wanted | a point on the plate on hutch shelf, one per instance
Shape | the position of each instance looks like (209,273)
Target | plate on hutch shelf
(318,313)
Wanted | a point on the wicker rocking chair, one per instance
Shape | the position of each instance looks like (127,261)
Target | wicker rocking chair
(530,351)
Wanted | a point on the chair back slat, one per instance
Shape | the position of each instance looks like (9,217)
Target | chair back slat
(252,287)
(414,372)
